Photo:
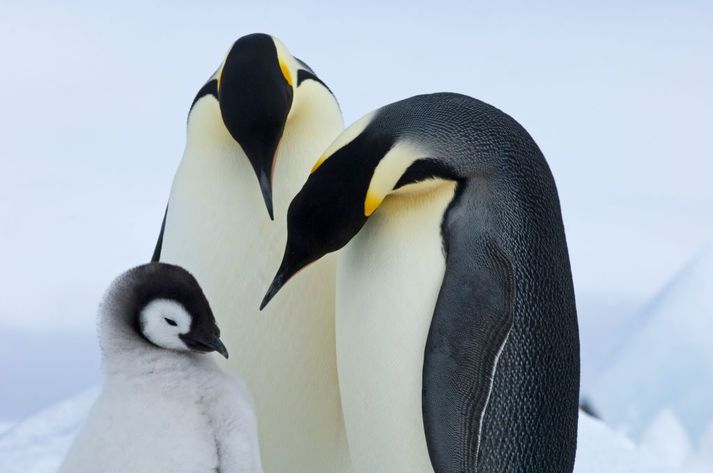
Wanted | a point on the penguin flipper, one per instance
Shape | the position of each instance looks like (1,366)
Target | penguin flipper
(471,323)
(159,243)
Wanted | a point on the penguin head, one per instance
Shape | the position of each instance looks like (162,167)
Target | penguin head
(167,307)
(255,87)
(348,183)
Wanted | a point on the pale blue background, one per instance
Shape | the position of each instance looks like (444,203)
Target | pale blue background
(94,98)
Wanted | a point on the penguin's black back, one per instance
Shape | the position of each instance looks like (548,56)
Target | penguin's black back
(506,195)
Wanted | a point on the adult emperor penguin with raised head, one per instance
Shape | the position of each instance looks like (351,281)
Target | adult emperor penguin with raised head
(254,131)
(165,406)
(457,338)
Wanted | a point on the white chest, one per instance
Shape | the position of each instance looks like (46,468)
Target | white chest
(388,278)
(218,228)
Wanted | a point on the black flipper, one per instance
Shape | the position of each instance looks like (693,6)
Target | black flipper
(159,244)
(469,329)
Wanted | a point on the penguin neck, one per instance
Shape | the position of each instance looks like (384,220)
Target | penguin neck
(314,121)
(388,278)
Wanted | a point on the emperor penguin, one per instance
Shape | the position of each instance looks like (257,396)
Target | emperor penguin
(457,336)
(254,131)
(165,405)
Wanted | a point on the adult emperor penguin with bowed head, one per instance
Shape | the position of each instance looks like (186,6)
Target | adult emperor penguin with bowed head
(254,131)
(457,339)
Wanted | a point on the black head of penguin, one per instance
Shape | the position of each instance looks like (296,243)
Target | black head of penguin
(255,92)
(160,281)
(329,209)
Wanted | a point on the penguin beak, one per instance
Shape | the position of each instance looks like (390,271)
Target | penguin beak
(289,268)
(206,345)
(264,178)
(260,142)
(220,347)
(283,275)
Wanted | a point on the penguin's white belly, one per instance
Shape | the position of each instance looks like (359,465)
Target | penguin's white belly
(137,430)
(388,280)
(217,228)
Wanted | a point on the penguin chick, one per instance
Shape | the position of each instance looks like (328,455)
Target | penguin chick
(165,405)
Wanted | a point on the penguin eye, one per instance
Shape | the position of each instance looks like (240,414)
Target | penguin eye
(170,322)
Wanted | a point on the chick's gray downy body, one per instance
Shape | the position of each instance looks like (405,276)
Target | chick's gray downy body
(163,410)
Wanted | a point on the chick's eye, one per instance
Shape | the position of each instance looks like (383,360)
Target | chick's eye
(170,322)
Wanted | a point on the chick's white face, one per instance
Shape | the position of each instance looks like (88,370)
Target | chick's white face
(162,321)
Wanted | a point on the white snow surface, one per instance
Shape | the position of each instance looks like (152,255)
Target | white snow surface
(38,444)
(667,439)
(600,449)
(662,366)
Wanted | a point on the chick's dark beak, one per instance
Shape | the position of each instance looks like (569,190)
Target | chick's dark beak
(220,347)
(205,344)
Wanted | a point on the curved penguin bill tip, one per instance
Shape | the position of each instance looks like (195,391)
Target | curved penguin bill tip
(282,277)
(265,181)
(277,282)
(205,344)
(255,94)
(293,261)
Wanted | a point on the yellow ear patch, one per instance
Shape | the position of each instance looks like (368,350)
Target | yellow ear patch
(286,72)
(371,203)
(319,162)
(388,172)
(220,73)
(284,58)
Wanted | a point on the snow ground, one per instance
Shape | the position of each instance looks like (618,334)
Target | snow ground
(38,444)
(599,449)
(663,360)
